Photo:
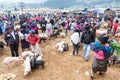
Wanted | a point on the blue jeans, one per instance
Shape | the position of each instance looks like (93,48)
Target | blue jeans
(86,51)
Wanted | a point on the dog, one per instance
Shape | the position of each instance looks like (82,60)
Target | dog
(9,60)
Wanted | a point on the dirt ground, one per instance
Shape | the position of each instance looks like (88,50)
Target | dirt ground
(58,66)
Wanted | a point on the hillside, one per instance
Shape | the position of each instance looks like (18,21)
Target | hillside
(67,4)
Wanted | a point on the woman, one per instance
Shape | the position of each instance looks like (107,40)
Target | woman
(75,39)
(101,54)
(115,27)
(66,28)
(49,29)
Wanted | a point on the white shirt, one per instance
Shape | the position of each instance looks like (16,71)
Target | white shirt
(49,26)
(73,25)
(75,38)
(13,34)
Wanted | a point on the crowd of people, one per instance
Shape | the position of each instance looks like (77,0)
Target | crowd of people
(25,28)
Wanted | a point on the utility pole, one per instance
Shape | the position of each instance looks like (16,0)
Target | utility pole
(21,5)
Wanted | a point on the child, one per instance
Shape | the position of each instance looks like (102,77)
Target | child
(101,54)
(115,27)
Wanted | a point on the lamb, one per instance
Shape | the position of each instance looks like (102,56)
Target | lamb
(27,66)
(9,60)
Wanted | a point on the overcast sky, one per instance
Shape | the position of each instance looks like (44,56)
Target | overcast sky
(26,1)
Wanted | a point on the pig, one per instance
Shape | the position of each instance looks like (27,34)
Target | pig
(62,35)
(100,32)
(26,53)
(9,60)
(59,46)
(43,37)
(117,35)
(60,49)
(27,66)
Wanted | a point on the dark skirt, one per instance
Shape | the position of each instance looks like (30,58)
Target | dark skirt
(25,44)
(99,65)
(1,31)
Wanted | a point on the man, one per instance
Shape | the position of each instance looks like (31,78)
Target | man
(12,39)
(86,38)
(33,39)
(43,25)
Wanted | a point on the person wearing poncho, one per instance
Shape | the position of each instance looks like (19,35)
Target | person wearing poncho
(102,52)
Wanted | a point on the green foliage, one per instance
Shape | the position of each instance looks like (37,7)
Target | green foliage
(116,47)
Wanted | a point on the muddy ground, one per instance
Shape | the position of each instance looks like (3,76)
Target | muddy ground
(58,66)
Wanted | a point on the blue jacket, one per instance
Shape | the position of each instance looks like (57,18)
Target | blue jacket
(96,47)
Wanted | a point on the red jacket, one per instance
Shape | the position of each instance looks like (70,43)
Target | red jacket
(115,26)
(33,39)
